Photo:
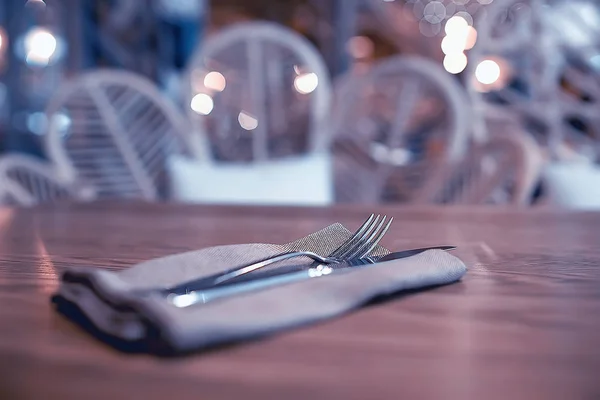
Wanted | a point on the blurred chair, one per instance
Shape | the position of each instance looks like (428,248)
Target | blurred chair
(397,129)
(259,94)
(541,67)
(515,67)
(535,59)
(116,131)
(26,181)
(258,90)
(580,101)
(503,168)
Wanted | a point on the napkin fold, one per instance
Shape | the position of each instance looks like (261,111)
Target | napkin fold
(111,306)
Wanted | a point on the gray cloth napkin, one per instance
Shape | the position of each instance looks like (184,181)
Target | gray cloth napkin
(107,303)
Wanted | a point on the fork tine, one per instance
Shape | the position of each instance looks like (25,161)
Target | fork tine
(349,242)
(353,244)
(376,239)
(361,240)
(366,243)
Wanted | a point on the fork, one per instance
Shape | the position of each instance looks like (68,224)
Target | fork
(360,244)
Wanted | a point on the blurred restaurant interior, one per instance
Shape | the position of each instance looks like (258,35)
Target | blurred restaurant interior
(301,102)
(197,196)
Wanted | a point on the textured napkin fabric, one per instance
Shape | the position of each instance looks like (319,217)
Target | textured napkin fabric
(109,304)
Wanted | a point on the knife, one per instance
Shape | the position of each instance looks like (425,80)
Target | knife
(274,278)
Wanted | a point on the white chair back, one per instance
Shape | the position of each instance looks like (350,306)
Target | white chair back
(26,181)
(502,171)
(253,88)
(405,120)
(502,168)
(115,130)
(260,95)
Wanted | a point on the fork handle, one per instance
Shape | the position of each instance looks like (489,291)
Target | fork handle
(220,277)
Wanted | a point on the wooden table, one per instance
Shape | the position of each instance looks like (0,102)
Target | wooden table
(524,322)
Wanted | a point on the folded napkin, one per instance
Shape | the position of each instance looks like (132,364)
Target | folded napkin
(109,305)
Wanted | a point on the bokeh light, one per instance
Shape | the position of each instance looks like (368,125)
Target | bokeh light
(459,41)
(360,47)
(434,12)
(455,63)
(429,30)
(492,74)
(40,45)
(61,122)
(450,45)
(460,36)
(595,61)
(33,3)
(487,72)
(247,121)
(471,38)
(466,16)
(456,25)
(306,83)
(215,80)
(202,104)
(37,122)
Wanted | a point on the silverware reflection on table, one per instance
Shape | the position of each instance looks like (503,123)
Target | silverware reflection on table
(276,278)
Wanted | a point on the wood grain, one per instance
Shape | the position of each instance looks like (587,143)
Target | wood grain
(523,324)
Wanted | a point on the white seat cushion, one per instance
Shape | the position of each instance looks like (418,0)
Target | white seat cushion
(573,185)
(305,180)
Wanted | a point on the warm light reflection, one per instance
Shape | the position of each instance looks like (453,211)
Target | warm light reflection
(460,36)
(487,72)
(456,25)
(492,74)
(215,80)
(455,63)
(48,281)
(202,104)
(360,47)
(183,300)
(459,40)
(471,38)
(452,46)
(247,121)
(6,216)
(306,83)
(40,45)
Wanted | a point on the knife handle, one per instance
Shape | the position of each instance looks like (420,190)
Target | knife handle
(219,292)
